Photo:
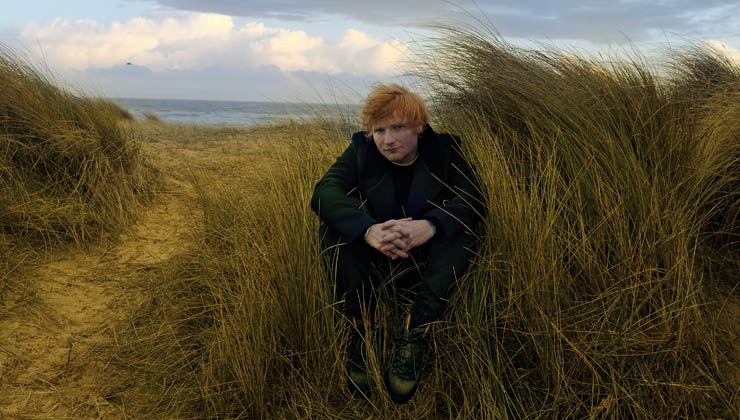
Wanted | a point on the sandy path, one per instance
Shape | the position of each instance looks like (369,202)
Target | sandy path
(51,363)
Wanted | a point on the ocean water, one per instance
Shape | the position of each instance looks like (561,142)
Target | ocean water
(233,113)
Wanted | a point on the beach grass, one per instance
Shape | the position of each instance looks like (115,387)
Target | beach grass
(70,171)
(599,289)
(606,255)
(247,310)
(612,230)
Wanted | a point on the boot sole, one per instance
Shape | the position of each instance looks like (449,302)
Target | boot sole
(400,399)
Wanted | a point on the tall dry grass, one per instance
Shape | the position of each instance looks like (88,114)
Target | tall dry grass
(609,188)
(70,170)
(242,326)
(609,244)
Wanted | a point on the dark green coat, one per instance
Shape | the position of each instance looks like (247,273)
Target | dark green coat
(358,191)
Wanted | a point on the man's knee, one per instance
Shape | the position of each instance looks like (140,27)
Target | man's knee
(448,259)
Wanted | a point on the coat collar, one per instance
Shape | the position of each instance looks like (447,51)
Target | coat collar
(378,182)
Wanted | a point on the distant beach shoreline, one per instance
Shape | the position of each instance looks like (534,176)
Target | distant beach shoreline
(231,113)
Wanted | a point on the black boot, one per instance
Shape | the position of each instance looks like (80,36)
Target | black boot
(403,376)
(358,378)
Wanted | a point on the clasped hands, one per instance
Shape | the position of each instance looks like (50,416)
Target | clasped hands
(395,238)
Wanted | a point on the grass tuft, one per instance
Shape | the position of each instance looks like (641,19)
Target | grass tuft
(608,249)
(609,194)
(70,170)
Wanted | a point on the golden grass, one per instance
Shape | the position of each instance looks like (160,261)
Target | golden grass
(607,252)
(608,248)
(608,196)
(226,307)
(70,170)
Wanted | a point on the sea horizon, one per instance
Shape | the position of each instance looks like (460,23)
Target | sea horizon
(231,112)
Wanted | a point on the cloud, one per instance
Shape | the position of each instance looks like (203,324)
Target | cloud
(192,41)
(596,20)
(160,43)
(731,53)
(379,12)
(267,83)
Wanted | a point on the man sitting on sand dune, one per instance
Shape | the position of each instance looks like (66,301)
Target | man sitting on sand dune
(400,198)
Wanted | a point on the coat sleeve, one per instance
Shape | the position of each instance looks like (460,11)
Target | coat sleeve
(465,208)
(335,200)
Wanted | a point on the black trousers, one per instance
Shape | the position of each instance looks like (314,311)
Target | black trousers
(430,272)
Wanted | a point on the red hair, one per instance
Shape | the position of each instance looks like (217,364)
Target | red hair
(387,100)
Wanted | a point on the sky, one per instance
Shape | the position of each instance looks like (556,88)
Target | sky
(319,50)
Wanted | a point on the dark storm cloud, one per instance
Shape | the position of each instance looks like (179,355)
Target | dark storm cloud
(597,20)
(382,12)
(602,20)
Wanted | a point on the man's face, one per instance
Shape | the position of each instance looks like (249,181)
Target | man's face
(397,139)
